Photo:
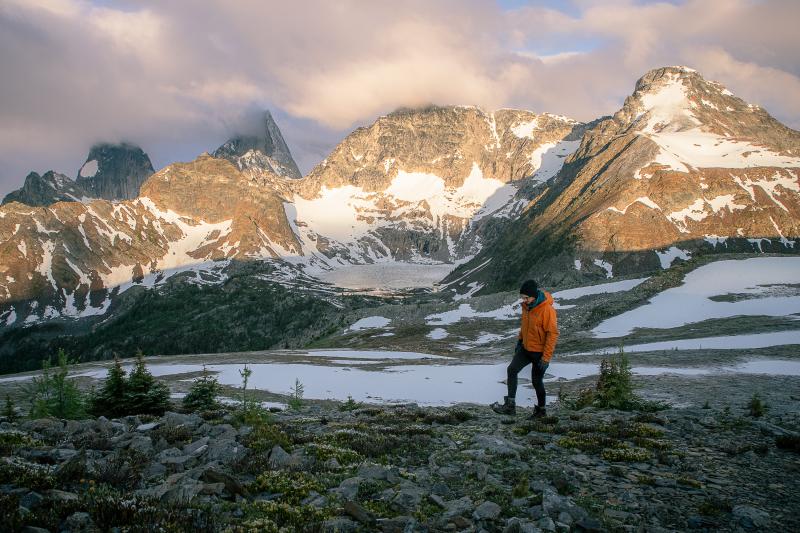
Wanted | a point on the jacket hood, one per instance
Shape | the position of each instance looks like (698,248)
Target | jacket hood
(542,298)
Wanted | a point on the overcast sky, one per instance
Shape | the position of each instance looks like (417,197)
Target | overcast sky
(177,76)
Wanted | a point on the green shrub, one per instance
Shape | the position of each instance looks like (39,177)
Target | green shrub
(203,394)
(137,394)
(350,404)
(11,441)
(122,469)
(143,394)
(756,406)
(278,517)
(117,510)
(522,487)
(265,436)
(246,403)
(290,487)
(10,410)
(714,506)
(452,416)
(626,454)
(323,452)
(174,435)
(614,389)
(110,400)
(10,511)
(52,394)
(32,476)
(296,395)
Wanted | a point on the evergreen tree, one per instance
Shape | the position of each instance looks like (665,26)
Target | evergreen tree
(110,400)
(143,394)
(203,394)
(52,394)
(10,410)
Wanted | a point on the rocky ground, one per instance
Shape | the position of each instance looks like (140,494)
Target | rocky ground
(348,467)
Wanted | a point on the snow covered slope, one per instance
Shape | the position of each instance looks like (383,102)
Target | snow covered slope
(408,196)
(684,166)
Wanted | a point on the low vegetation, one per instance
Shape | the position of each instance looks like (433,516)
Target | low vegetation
(614,389)
(51,393)
(136,394)
(203,394)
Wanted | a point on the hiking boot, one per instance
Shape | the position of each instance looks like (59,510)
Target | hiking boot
(508,407)
(539,412)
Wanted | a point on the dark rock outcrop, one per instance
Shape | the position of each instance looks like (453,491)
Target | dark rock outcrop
(264,150)
(49,188)
(114,171)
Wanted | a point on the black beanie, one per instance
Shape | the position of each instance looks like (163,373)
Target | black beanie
(529,288)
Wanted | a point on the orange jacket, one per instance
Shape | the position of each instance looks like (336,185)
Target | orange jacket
(539,329)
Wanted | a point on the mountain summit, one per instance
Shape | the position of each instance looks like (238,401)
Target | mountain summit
(683,167)
(114,171)
(264,149)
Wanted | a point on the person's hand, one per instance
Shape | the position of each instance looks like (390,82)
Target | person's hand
(542,365)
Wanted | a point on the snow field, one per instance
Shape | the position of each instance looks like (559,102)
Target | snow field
(427,384)
(370,322)
(691,303)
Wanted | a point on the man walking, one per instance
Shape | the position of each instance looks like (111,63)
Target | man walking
(537,340)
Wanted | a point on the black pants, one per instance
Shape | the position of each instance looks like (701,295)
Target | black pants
(523,358)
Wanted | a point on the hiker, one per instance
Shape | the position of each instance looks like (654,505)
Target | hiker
(537,340)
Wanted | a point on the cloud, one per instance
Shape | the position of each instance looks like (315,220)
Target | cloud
(177,76)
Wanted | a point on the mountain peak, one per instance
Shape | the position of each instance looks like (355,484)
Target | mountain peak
(114,171)
(262,148)
(45,189)
(678,99)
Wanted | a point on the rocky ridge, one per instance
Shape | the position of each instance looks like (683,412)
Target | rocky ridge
(403,468)
(49,188)
(265,151)
(683,167)
(112,172)
(66,260)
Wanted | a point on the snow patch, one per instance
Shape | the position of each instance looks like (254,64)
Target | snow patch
(89,169)
(691,303)
(603,288)
(667,257)
(474,287)
(701,149)
(525,130)
(45,267)
(387,275)
(784,241)
(731,342)
(370,322)
(437,334)
(608,267)
(714,240)
(642,200)
(771,186)
(667,105)
(446,318)
(757,242)
(548,158)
